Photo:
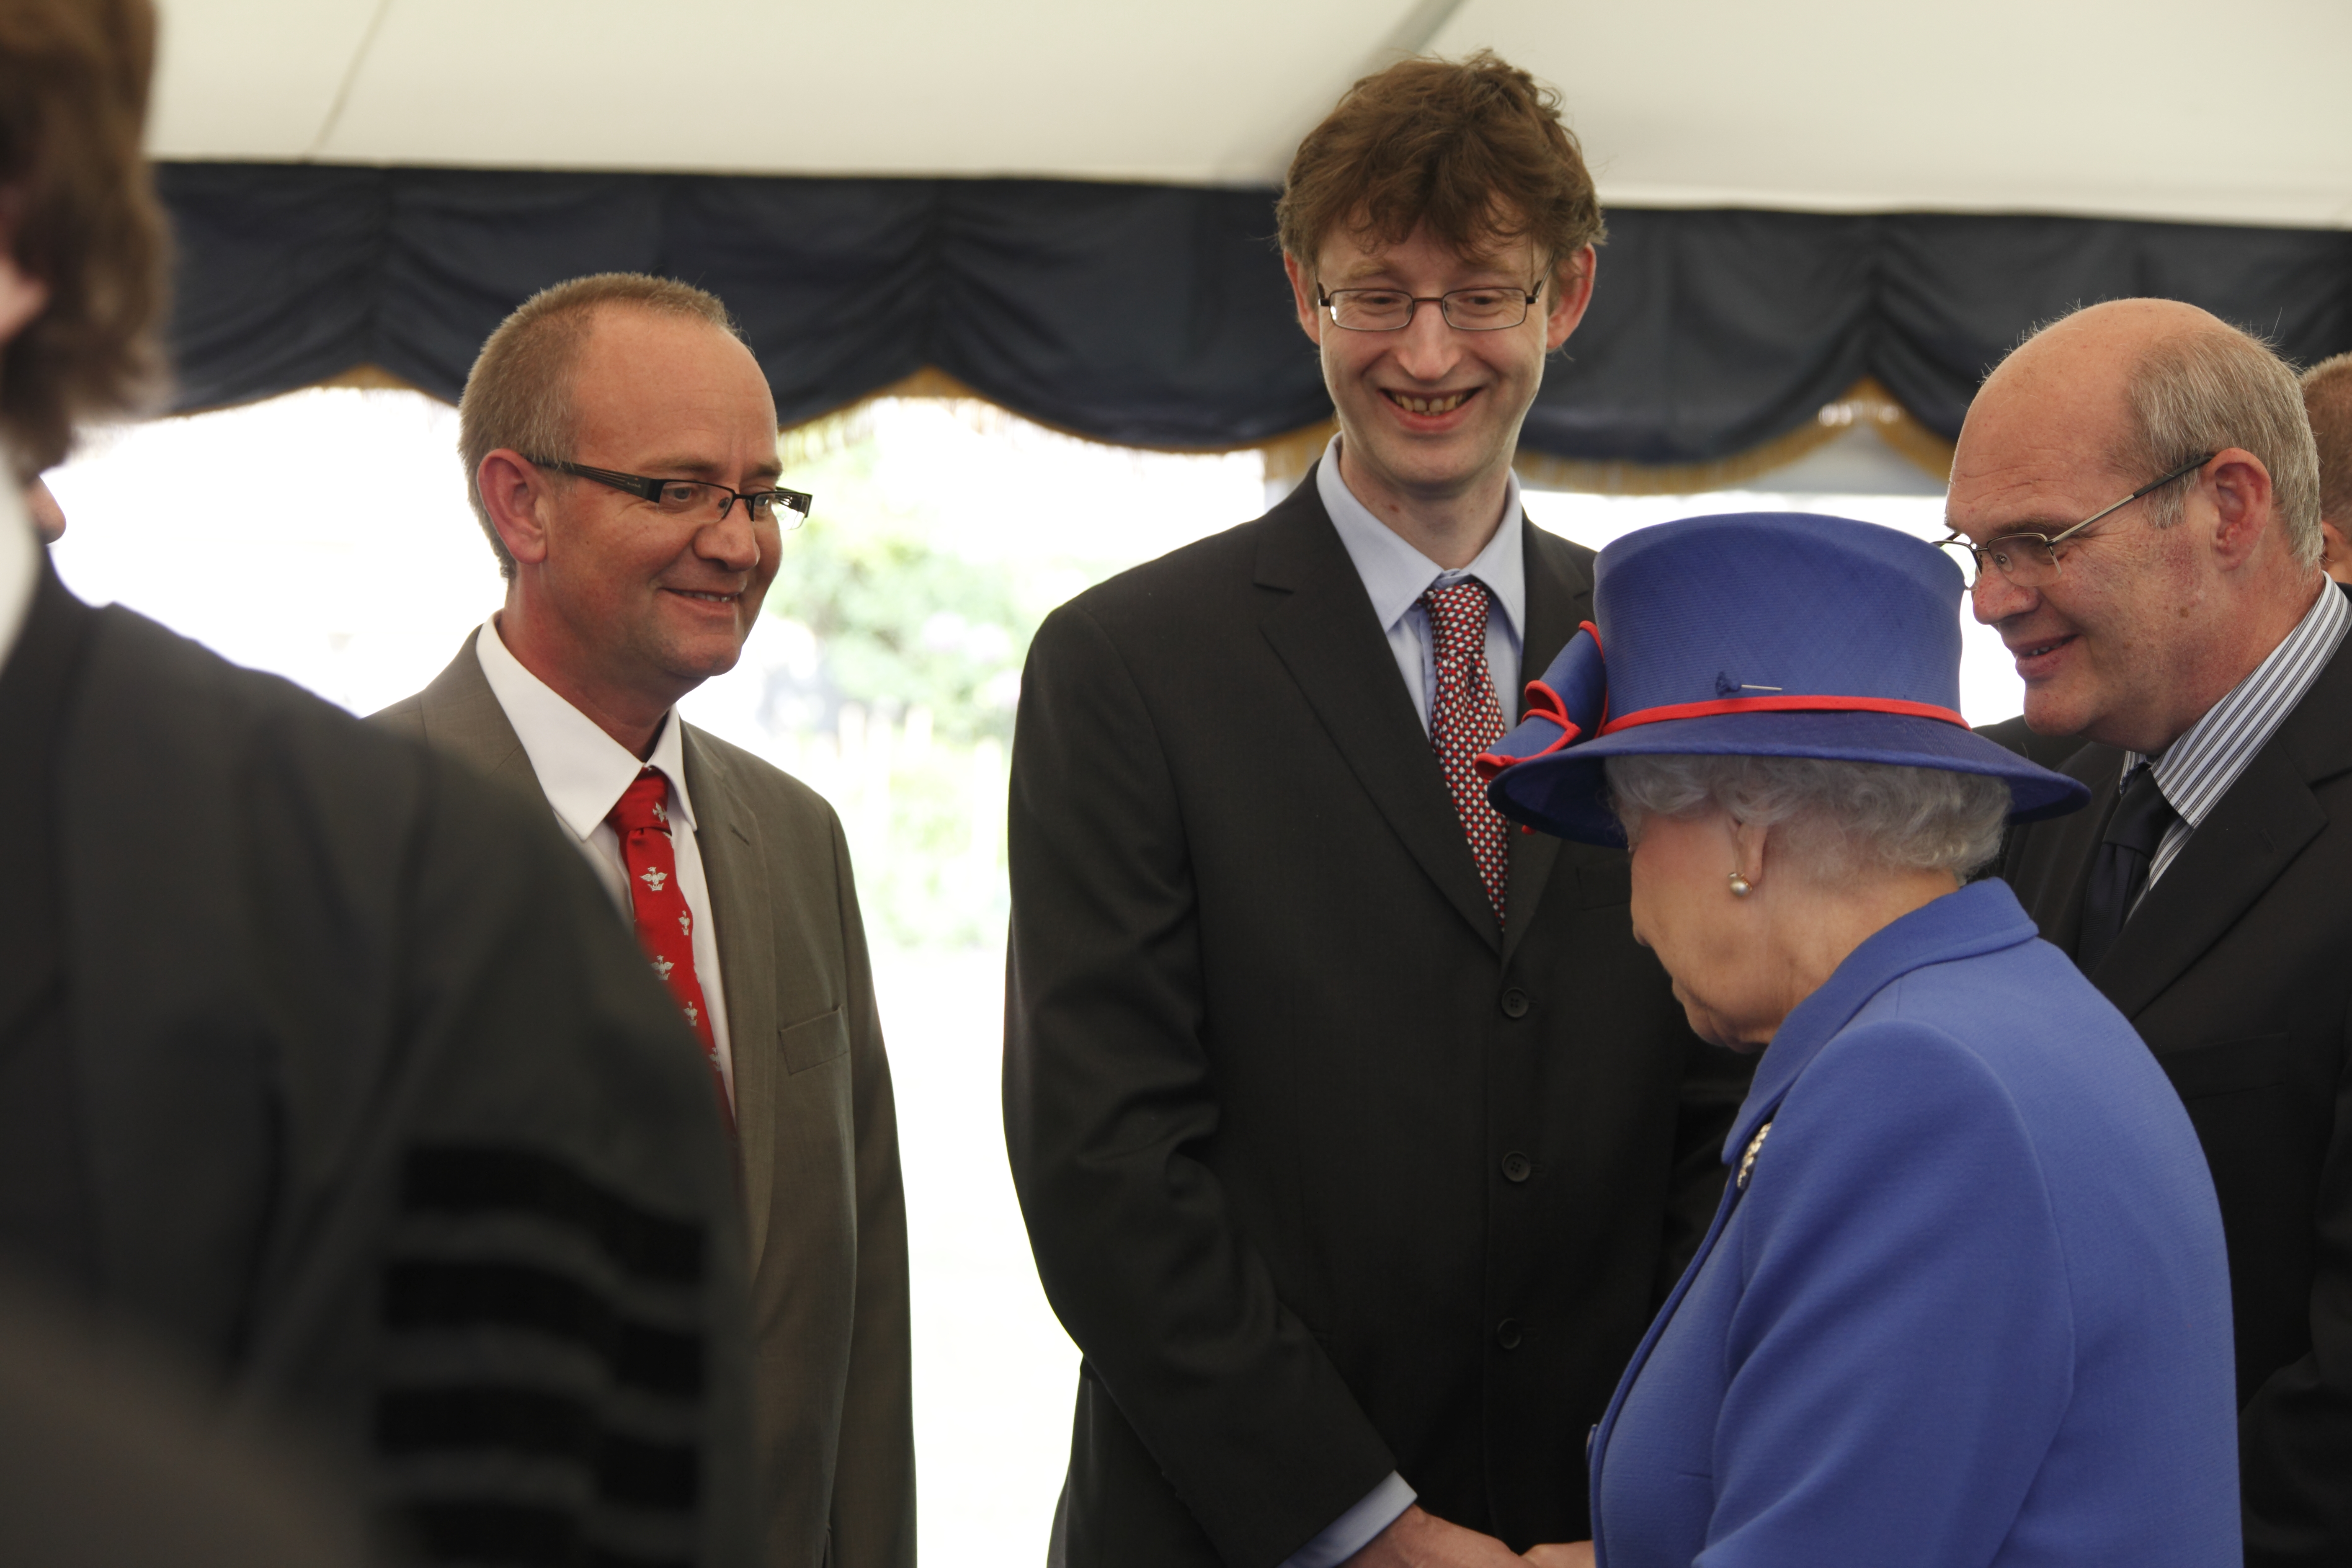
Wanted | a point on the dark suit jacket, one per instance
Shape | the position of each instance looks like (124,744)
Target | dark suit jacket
(818,1131)
(381,1118)
(1326,1173)
(2236,969)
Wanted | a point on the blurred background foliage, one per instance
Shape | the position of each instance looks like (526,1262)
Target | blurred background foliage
(899,622)
(895,689)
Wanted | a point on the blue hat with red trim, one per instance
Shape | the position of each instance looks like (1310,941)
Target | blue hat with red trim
(1755,634)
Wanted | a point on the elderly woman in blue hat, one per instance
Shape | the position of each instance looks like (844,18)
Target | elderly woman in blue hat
(1965,1302)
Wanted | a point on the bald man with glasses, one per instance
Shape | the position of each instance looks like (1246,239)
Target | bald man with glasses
(2184,647)
(620,442)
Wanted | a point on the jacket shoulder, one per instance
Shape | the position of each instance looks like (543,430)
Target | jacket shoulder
(174,688)
(1168,585)
(191,721)
(406,717)
(767,789)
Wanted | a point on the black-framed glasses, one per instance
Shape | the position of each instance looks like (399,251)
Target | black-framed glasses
(698,497)
(2031,560)
(1465,310)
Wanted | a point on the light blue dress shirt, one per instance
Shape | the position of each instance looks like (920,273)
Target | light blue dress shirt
(1395,576)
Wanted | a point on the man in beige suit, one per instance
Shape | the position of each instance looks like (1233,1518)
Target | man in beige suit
(622,445)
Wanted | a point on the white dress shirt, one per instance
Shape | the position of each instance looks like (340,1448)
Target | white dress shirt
(1396,576)
(583,772)
(20,567)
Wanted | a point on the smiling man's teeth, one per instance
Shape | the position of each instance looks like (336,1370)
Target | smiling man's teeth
(1446,404)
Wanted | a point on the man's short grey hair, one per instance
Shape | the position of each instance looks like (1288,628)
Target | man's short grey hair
(2203,391)
(1835,820)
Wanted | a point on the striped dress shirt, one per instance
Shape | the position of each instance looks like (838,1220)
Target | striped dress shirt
(2196,770)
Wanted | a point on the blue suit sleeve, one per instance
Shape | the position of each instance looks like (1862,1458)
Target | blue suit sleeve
(1903,1351)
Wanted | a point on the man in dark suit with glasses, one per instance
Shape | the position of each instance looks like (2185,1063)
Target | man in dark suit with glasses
(2186,639)
(1356,1137)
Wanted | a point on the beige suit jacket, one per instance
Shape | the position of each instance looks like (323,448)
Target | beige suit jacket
(836,1482)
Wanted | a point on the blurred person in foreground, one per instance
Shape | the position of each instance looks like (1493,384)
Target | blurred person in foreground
(2328,404)
(1966,1301)
(620,445)
(111,1456)
(1356,1140)
(2138,487)
(321,1061)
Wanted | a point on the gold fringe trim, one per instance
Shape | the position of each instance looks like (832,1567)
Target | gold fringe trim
(1865,403)
(1289,457)
(850,422)
(360,377)
(373,378)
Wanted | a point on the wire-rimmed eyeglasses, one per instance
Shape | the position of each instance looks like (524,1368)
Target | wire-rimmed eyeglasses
(1465,310)
(695,498)
(2031,560)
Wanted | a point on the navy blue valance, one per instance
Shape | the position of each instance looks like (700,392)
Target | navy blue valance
(1158,316)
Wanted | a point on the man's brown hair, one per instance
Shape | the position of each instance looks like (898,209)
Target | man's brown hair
(518,394)
(2328,404)
(1473,150)
(80,212)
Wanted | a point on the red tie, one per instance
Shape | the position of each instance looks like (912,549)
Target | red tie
(664,924)
(1466,720)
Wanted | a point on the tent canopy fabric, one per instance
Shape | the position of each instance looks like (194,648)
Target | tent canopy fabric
(2150,108)
(1158,316)
(1064,204)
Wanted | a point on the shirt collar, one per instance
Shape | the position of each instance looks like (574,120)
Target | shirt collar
(20,565)
(582,771)
(2196,770)
(1396,574)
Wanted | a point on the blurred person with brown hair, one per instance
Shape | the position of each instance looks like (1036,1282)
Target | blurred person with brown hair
(322,1062)
(2328,404)
(1356,1137)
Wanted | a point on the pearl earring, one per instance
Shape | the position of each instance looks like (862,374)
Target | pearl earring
(1740,886)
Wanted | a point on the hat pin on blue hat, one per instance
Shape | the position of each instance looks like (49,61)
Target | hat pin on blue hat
(1756,634)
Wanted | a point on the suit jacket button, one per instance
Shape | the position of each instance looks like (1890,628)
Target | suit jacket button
(1515,1003)
(1518,1167)
(1506,1333)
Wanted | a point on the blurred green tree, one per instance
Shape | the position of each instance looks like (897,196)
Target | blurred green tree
(900,623)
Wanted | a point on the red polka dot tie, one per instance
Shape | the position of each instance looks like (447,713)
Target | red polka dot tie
(1466,720)
(665,923)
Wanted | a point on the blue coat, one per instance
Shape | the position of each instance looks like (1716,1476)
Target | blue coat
(1967,1305)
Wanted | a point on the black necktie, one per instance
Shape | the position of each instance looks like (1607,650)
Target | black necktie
(2120,872)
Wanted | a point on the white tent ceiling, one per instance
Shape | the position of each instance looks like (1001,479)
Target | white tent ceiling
(2162,108)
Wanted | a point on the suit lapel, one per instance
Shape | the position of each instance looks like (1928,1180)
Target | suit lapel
(2236,853)
(726,836)
(2251,837)
(1559,597)
(1325,634)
